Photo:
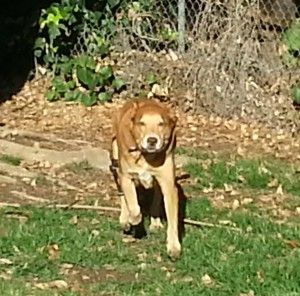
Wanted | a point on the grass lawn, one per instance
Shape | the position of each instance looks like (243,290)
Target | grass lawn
(67,252)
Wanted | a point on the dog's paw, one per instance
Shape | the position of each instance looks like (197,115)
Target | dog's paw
(138,231)
(127,230)
(174,250)
(155,224)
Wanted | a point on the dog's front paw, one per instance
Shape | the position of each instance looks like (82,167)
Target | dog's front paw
(155,224)
(174,250)
(127,229)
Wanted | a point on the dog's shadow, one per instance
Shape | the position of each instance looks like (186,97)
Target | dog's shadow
(152,205)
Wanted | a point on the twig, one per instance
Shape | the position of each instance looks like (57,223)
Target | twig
(207,224)
(113,209)
(37,136)
(65,206)
(24,195)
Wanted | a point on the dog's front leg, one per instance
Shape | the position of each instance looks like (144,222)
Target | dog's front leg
(131,200)
(169,190)
(124,216)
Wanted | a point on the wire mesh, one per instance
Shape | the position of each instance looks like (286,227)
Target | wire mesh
(224,56)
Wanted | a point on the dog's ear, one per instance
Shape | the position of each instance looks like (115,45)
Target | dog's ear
(133,111)
(127,129)
(172,117)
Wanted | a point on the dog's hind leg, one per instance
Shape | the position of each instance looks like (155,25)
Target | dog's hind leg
(156,208)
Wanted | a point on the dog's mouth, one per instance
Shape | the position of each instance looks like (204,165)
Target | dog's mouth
(152,144)
(151,150)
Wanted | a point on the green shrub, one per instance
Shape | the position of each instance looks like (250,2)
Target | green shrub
(71,35)
(291,39)
(74,34)
(79,79)
(296,94)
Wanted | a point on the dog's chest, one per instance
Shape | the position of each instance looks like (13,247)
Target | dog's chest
(143,175)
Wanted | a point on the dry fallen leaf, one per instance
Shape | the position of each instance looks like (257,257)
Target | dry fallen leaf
(235,204)
(246,201)
(293,244)
(187,279)
(128,239)
(228,188)
(206,280)
(273,183)
(142,256)
(250,293)
(53,252)
(58,284)
(74,220)
(279,190)
(5,261)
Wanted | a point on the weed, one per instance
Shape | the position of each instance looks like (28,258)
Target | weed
(10,159)
(79,167)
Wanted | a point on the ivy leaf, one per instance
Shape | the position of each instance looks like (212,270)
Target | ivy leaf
(88,99)
(38,53)
(53,31)
(106,72)
(39,43)
(296,94)
(52,95)
(113,3)
(151,78)
(104,97)
(71,84)
(59,85)
(66,67)
(73,95)
(85,61)
(118,84)
(87,77)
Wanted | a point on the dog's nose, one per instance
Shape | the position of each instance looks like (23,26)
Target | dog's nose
(152,141)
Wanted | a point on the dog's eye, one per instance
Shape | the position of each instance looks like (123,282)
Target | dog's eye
(141,123)
(161,123)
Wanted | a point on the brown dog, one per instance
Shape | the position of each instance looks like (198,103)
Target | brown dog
(143,143)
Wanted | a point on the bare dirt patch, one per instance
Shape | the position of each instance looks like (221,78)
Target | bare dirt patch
(28,119)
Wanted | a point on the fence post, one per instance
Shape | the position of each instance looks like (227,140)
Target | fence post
(181,26)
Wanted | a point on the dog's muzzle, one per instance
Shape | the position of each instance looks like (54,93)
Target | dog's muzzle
(152,143)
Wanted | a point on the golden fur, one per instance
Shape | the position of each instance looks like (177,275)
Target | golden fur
(144,139)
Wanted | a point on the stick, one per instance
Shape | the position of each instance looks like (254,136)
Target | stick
(207,224)
(113,209)
(65,206)
(33,135)
(24,195)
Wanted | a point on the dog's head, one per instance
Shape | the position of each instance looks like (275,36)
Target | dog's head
(152,126)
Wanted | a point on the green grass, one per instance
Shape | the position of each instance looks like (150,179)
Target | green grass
(259,260)
(10,159)
(243,173)
(79,167)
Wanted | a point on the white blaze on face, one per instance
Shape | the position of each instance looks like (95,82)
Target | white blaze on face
(152,140)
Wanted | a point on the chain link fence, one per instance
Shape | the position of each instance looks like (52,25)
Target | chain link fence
(235,58)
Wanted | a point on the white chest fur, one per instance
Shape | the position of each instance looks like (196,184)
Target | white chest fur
(144,177)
